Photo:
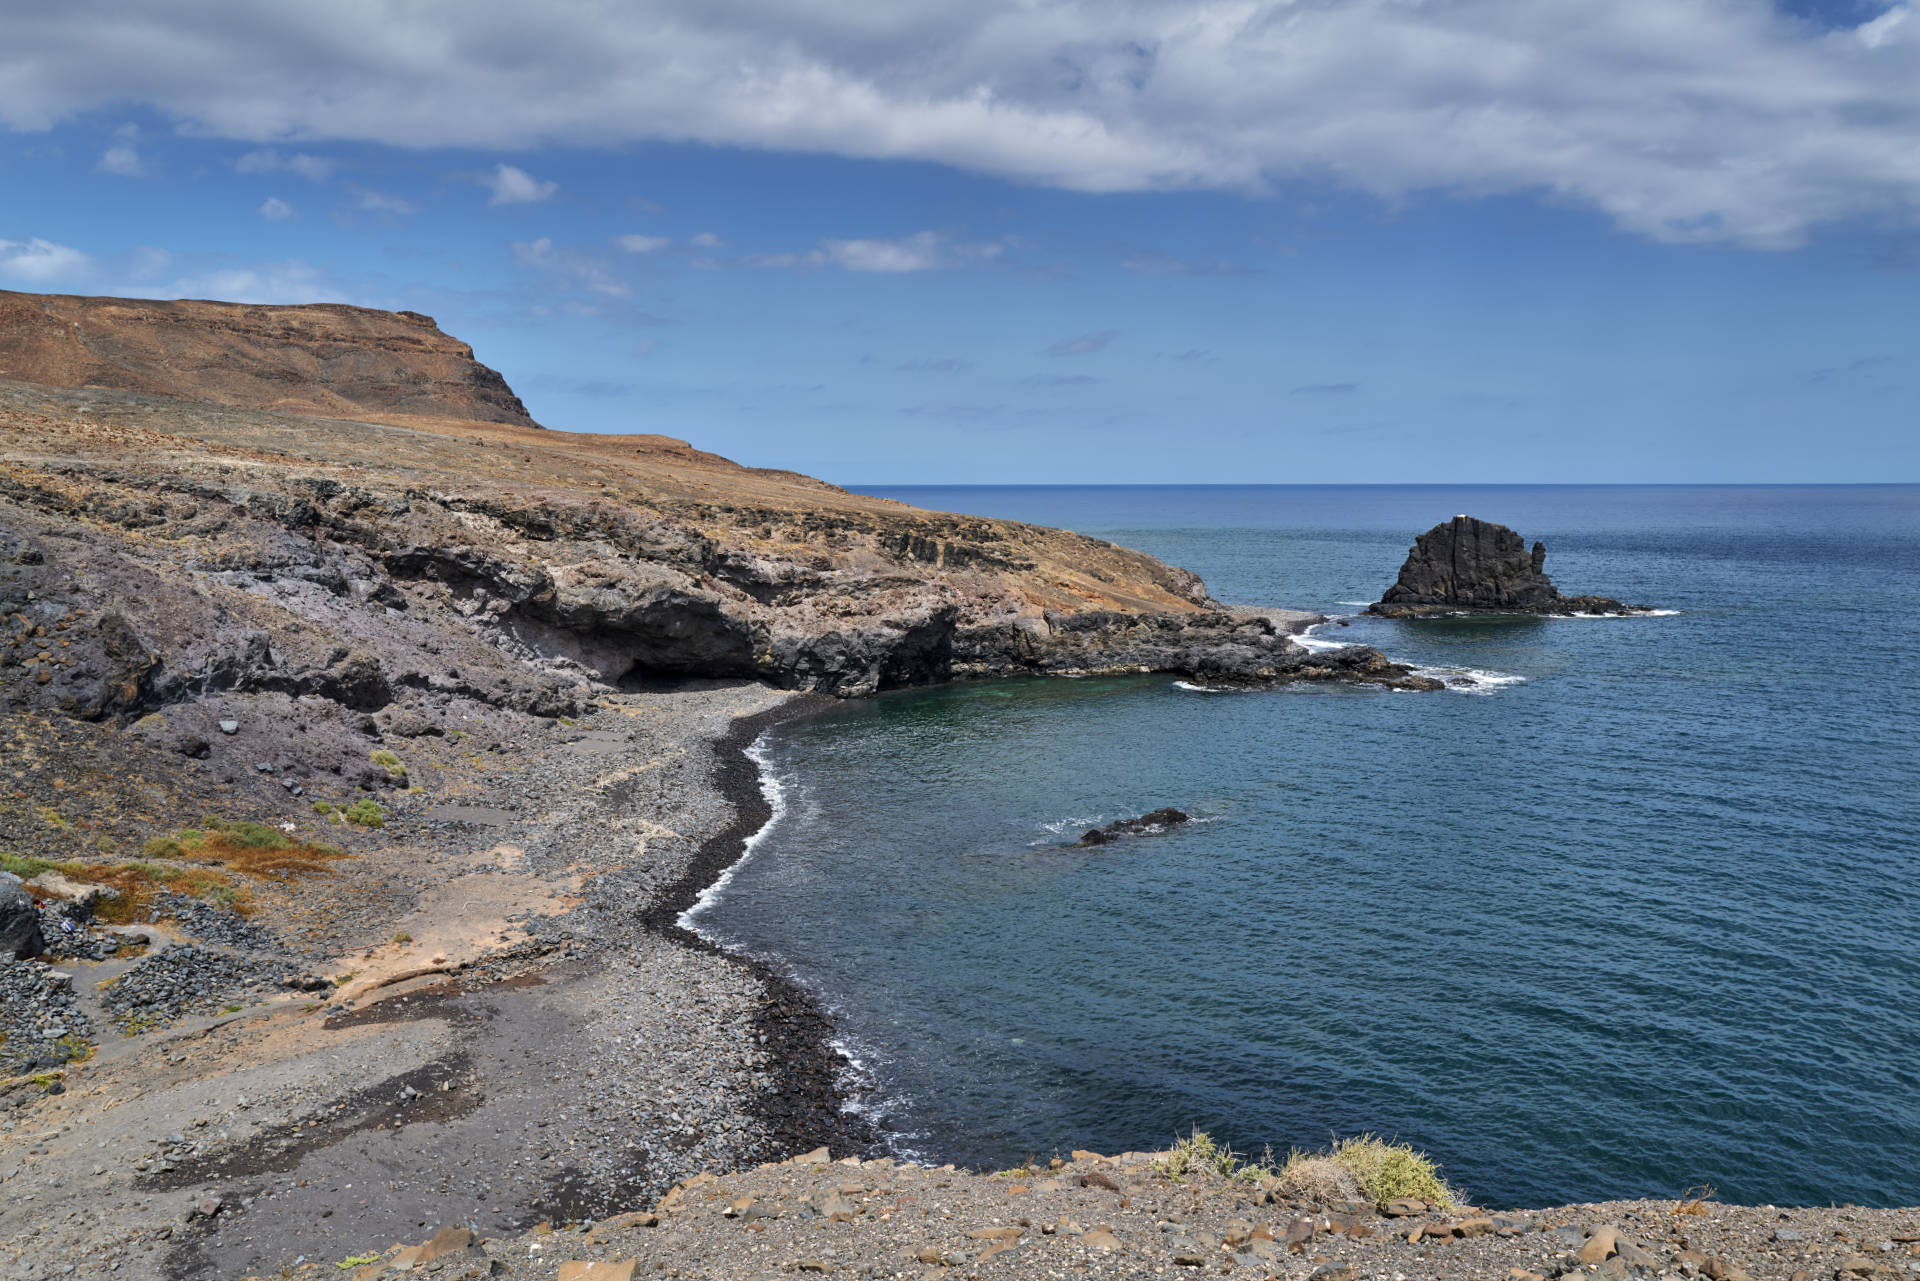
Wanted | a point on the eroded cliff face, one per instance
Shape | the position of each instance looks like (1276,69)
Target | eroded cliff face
(155,551)
(320,359)
(183,551)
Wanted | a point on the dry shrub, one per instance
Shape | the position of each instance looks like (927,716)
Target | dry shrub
(1318,1178)
(136,885)
(1367,1168)
(255,849)
(202,863)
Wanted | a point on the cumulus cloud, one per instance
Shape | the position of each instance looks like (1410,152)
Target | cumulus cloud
(39,262)
(1084,345)
(274,209)
(123,155)
(642,244)
(287,283)
(570,266)
(707,240)
(922,251)
(1684,120)
(511,186)
(267,160)
(381,202)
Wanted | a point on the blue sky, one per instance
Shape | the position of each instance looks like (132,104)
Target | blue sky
(1381,240)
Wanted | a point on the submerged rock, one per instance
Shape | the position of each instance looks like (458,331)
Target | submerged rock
(1146,825)
(1466,564)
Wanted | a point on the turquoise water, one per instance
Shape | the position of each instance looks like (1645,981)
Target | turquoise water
(1639,912)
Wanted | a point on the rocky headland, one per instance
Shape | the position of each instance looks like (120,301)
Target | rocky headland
(1466,565)
(361,734)
(363,744)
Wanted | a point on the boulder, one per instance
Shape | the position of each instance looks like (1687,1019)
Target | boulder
(19,924)
(1146,825)
(1466,565)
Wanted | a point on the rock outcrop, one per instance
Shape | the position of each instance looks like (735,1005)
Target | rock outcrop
(1466,565)
(19,922)
(157,552)
(1148,824)
(318,359)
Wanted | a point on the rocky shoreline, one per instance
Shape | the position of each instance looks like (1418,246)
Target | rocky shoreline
(658,1054)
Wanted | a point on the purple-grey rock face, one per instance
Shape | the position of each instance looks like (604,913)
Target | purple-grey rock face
(1466,564)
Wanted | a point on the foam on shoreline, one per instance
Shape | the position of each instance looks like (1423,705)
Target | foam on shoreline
(774,791)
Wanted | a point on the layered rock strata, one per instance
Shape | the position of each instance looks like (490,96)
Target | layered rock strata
(1466,565)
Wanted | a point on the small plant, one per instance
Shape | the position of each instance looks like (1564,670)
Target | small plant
(1367,1168)
(231,1009)
(23,866)
(365,813)
(162,847)
(1694,1201)
(356,1261)
(1199,1154)
(403,938)
(73,1048)
(52,817)
(387,761)
(323,807)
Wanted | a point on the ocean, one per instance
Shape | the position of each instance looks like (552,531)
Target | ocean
(1633,908)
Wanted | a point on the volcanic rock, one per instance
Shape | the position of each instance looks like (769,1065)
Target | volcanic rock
(19,924)
(1146,825)
(1468,565)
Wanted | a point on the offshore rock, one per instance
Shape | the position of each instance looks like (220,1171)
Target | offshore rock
(1469,565)
(1149,824)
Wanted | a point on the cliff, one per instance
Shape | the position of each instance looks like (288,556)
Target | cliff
(319,359)
(238,547)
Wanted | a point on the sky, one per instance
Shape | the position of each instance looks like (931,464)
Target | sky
(1043,241)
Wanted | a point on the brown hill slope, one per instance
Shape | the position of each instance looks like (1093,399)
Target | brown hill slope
(319,359)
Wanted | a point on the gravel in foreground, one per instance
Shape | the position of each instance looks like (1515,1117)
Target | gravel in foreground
(1119,1217)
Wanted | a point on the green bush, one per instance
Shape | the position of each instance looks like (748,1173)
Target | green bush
(1199,1154)
(387,761)
(1379,1170)
(23,866)
(365,813)
(162,847)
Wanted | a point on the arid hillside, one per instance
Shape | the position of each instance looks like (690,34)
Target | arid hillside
(319,359)
(218,531)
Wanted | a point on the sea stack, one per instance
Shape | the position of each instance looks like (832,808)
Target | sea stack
(1466,565)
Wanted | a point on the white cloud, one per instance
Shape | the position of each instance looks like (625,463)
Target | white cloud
(39,262)
(707,240)
(123,155)
(511,186)
(1715,120)
(274,209)
(384,203)
(590,274)
(642,244)
(285,283)
(922,251)
(267,160)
